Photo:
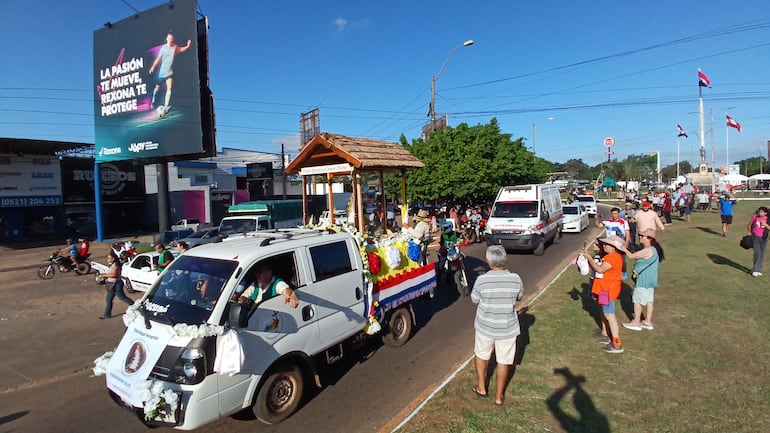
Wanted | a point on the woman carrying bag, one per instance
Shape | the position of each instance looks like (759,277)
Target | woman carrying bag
(758,230)
(645,277)
(114,285)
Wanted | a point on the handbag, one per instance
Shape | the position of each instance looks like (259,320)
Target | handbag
(747,242)
(635,274)
(604,297)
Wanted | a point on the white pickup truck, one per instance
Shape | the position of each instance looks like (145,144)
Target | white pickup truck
(186,224)
(175,365)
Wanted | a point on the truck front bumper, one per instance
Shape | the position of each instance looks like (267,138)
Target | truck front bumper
(511,241)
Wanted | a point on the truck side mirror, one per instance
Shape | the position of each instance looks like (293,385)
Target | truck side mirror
(546,216)
(238,315)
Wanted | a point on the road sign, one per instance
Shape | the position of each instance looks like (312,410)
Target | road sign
(609,152)
(609,142)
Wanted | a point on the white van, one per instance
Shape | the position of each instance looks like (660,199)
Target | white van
(526,217)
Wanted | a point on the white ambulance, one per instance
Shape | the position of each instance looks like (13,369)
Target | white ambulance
(526,217)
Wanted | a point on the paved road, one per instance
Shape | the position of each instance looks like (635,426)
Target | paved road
(46,387)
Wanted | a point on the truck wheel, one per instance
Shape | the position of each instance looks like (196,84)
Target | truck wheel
(399,328)
(280,394)
(540,250)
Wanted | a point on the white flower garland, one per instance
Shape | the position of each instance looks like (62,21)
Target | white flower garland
(100,363)
(181,329)
(198,331)
(132,313)
(160,403)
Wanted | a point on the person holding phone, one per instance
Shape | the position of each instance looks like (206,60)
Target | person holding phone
(607,289)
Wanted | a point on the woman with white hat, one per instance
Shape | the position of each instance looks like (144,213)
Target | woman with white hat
(607,289)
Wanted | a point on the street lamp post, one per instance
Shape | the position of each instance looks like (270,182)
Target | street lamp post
(433,80)
(534,136)
(657,154)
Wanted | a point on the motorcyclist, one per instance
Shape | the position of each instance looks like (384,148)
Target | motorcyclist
(85,246)
(475,220)
(71,251)
(448,245)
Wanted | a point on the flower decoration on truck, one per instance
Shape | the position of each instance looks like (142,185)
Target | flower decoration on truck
(160,403)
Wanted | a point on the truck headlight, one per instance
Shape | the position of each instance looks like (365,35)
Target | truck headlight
(190,368)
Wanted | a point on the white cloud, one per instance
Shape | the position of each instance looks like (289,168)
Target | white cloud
(290,143)
(340,24)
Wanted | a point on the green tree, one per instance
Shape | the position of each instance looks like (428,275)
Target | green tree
(576,169)
(669,171)
(752,166)
(469,164)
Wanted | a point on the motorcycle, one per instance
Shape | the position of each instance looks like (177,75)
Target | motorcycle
(482,228)
(46,272)
(124,250)
(451,269)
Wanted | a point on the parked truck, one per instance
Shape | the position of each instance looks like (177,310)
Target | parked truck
(175,365)
(186,224)
(260,215)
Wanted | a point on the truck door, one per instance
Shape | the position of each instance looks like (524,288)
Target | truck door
(274,328)
(337,290)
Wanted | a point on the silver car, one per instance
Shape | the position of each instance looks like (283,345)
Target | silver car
(204,236)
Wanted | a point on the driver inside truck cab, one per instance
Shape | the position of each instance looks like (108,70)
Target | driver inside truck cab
(266,286)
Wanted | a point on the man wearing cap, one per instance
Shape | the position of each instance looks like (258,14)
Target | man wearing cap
(421,231)
(647,218)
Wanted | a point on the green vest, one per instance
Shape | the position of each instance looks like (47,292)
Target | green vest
(269,292)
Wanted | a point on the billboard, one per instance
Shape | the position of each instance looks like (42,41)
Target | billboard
(147,86)
(29,181)
(309,125)
(122,182)
(259,171)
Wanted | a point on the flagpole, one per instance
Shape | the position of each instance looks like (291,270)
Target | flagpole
(677,156)
(727,147)
(702,128)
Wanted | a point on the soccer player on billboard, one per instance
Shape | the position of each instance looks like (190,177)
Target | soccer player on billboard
(166,72)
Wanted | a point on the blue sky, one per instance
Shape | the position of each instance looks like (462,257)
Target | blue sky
(368,67)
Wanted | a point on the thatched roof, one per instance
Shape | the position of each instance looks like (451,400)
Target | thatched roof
(361,153)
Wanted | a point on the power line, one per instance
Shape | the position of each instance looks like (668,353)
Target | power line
(129,5)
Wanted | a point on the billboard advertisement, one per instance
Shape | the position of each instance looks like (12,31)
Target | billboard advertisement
(29,181)
(122,182)
(147,85)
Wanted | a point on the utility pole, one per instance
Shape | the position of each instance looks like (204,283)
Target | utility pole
(283,169)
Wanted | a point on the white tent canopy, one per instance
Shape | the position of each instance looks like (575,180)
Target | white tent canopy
(734,179)
(760,176)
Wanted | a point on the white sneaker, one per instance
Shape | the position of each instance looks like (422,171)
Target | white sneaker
(633,326)
(756,274)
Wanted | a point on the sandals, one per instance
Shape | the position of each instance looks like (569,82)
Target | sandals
(478,393)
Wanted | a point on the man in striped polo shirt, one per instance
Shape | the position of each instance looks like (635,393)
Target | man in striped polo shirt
(497,324)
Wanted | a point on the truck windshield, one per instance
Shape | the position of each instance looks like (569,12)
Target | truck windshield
(189,289)
(518,209)
(238,225)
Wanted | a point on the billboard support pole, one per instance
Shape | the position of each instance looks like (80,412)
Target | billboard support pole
(161,170)
(98,202)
